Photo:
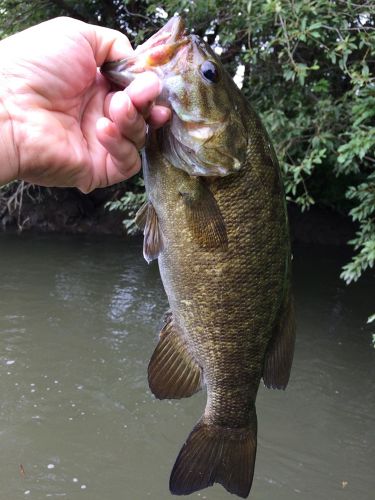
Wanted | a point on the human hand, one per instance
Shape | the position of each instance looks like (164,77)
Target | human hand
(60,123)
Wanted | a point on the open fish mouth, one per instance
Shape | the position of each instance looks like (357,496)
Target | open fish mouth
(154,52)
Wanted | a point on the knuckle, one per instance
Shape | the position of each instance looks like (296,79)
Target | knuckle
(136,166)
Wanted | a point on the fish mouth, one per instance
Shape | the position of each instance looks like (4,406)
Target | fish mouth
(152,54)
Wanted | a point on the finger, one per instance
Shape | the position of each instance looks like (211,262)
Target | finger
(107,44)
(129,121)
(124,154)
(107,102)
(159,116)
(109,174)
(115,174)
(143,91)
(120,148)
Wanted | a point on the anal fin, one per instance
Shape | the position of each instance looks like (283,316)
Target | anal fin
(279,355)
(173,372)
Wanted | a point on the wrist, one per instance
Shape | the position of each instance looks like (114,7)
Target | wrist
(9,164)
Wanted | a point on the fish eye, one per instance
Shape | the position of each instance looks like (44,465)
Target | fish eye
(210,71)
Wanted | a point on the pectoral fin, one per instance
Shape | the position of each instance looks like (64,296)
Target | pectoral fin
(279,356)
(173,372)
(152,241)
(203,214)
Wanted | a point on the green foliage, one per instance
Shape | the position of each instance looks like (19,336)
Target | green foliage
(130,203)
(364,242)
(308,69)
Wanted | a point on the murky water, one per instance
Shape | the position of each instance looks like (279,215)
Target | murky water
(78,322)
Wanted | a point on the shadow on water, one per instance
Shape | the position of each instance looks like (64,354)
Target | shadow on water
(78,322)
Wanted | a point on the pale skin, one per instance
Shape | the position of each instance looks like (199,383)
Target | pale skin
(61,123)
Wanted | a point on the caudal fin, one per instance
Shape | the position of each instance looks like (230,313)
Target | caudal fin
(215,454)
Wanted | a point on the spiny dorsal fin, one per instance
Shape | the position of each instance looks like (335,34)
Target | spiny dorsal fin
(173,372)
(216,454)
(152,241)
(279,355)
(203,215)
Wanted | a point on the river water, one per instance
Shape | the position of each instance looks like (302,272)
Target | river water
(78,323)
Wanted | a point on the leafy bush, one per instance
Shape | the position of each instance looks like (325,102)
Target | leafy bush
(130,203)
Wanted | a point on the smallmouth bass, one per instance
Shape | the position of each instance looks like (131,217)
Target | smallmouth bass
(216,221)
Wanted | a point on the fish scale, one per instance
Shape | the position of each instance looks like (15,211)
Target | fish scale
(216,220)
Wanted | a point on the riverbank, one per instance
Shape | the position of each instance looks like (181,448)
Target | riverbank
(70,211)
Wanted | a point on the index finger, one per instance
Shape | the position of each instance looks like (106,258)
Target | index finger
(143,91)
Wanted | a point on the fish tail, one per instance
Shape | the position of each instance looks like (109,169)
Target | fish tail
(216,454)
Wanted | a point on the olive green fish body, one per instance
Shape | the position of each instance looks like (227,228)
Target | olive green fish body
(216,220)
(225,302)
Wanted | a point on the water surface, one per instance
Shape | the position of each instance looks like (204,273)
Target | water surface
(78,323)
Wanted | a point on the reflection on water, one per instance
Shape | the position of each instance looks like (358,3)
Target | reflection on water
(78,323)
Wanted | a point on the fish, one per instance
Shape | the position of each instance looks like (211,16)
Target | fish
(216,221)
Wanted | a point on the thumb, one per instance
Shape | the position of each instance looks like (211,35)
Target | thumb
(108,44)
